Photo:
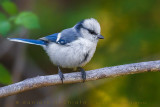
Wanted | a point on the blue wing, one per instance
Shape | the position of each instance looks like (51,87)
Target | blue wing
(66,36)
(53,38)
(62,38)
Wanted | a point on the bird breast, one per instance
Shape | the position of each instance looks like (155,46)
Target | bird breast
(74,54)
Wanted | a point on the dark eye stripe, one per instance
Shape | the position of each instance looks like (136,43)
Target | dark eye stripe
(92,32)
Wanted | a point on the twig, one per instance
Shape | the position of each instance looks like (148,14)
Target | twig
(41,81)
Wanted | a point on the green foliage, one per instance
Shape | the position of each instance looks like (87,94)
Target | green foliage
(5,77)
(9,7)
(1,1)
(2,17)
(5,25)
(28,20)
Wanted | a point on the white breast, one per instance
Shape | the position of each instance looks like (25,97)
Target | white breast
(73,54)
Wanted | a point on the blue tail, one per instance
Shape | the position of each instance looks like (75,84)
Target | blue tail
(29,41)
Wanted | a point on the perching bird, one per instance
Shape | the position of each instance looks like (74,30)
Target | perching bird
(71,48)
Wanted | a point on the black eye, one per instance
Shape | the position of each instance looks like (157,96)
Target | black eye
(92,32)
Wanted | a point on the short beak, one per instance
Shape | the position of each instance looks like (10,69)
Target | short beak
(100,37)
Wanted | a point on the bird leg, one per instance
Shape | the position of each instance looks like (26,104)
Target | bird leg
(83,73)
(60,74)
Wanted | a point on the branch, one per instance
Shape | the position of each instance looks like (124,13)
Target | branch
(41,81)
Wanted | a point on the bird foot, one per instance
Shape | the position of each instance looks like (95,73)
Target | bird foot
(60,74)
(83,73)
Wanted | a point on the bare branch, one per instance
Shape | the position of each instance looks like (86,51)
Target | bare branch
(41,81)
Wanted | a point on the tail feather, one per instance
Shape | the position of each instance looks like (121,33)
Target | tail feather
(29,41)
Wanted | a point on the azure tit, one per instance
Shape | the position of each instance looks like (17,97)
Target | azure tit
(71,48)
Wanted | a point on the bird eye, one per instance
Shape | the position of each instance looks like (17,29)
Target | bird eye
(92,32)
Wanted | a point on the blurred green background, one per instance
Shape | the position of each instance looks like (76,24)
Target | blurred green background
(132,32)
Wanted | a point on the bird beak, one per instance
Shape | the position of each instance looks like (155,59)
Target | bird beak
(100,37)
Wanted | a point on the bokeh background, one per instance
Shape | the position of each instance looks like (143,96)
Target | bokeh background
(132,33)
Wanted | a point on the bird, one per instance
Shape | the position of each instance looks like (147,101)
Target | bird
(72,47)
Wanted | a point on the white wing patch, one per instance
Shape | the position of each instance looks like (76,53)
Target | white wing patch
(58,37)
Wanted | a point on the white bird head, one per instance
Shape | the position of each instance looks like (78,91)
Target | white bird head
(89,29)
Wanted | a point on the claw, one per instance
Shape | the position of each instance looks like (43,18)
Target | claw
(60,74)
